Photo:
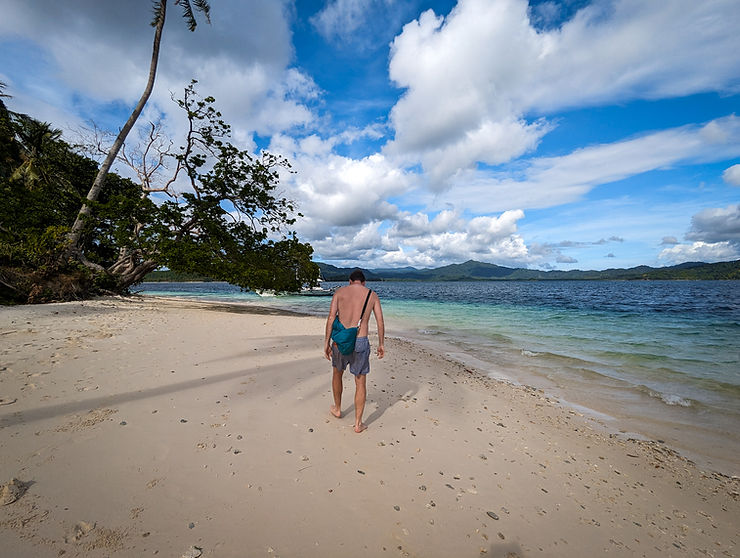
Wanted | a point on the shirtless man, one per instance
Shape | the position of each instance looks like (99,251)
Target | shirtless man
(347,303)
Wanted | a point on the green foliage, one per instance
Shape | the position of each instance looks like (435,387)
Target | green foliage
(41,192)
(230,227)
(9,148)
(41,181)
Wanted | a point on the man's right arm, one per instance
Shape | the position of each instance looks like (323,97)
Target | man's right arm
(329,323)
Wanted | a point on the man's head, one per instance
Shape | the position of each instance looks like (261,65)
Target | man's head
(357,275)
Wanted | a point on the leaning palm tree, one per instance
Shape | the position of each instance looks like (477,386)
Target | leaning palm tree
(160,9)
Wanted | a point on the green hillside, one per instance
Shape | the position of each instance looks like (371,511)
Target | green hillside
(479,271)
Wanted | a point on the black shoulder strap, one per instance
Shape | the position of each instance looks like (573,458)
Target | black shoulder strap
(364,306)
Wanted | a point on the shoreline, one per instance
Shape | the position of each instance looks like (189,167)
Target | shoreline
(140,427)
(666,424)
(704,448)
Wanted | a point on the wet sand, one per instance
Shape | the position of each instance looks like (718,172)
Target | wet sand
(141,427)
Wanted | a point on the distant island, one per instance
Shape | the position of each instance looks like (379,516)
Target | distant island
(479,271)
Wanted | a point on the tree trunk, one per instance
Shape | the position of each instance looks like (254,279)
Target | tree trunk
(137,273)
(130,268)
(74,244)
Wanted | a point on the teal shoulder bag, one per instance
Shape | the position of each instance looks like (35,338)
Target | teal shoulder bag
(345,337)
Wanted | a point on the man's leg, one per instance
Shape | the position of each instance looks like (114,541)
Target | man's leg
(336,389)
(360,396)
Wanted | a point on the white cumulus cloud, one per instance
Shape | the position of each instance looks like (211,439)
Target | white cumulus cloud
(718,224)
(472,80)
(100,53)
(551,181)
(447,238)
(715,233)
(700,252)
(732,175)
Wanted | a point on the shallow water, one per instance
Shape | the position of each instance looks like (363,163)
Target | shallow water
(660,357)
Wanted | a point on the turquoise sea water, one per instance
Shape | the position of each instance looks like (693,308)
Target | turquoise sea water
(659,359)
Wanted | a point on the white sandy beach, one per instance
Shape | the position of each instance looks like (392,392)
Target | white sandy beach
(152,428)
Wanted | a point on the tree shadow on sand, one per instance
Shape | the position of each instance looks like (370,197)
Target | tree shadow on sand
(387,399)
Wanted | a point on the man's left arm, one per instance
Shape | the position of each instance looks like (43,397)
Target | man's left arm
(378,311)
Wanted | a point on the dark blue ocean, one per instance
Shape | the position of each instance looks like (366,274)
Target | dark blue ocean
(659,359)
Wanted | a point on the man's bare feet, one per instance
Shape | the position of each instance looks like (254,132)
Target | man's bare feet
(335,411)
(361,428)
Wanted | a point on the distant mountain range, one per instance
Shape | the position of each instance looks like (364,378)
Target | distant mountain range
(479,271)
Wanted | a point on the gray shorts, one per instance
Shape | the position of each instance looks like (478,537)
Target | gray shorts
(359,361)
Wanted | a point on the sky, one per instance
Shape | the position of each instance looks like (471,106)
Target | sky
(568,134)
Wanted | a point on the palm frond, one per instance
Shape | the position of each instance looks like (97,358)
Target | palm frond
(204,8)
(158,9)
(187,13)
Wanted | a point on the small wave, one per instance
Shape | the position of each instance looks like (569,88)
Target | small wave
(527,353)
(428,332)
(670,399)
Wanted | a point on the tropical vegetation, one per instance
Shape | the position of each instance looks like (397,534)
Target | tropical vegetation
(217,213)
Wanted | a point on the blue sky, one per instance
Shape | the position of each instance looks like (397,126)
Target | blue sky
(567,134)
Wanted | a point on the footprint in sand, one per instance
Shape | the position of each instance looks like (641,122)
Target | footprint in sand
(78,531)
(11,491)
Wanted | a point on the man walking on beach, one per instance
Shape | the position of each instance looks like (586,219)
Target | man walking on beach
(348,303)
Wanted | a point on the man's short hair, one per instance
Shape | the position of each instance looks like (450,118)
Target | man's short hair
(357,275)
